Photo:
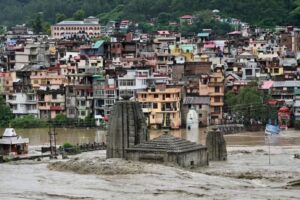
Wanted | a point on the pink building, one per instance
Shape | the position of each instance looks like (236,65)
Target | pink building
(89,26)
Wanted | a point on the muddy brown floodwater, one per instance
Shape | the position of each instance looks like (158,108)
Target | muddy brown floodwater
(40,136)
(246,174)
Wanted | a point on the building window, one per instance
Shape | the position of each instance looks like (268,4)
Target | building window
(217,89)
(155,105)
(276,70)
(68,101)
(249,72)
(168,95)
(156,96)
(217,110)
(127,82)
(217,99)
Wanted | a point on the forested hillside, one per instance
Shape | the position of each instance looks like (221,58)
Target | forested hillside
(259,12)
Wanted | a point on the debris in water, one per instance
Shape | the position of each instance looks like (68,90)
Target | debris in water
(97,166)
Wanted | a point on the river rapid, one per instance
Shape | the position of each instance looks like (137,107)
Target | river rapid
(246,174)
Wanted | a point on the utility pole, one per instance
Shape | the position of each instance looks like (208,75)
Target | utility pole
(52,140)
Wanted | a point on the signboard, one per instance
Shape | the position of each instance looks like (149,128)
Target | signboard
(272,129)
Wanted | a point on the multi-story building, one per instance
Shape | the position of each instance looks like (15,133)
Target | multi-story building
(99,83)
(212,86)
(290,40)
(51,102)
(2,81)
(161,105)
(35,53)
(66,29)
(49,86)
(20,95)
(133,81)
(297,104)
(284,90)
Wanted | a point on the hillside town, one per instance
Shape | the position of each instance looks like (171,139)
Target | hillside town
(84,67)
(142,99)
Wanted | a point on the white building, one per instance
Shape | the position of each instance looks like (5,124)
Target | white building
(35,53)
(131,82)
(138,79)
(23,104)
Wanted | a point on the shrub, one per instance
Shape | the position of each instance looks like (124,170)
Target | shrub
(28,122)
(67,145)
(71,149)
(297,124)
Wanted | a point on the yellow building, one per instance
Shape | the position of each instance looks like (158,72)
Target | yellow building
(275,71)
(186,50)
(161,106)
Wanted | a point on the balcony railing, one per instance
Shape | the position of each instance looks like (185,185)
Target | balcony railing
(56,108)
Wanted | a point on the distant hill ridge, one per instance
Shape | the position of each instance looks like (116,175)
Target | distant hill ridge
(258,12)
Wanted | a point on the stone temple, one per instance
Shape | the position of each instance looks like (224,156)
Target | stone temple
(169,149)
(127,127)
(128,138)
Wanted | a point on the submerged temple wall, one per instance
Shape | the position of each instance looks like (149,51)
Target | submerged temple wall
(127,127)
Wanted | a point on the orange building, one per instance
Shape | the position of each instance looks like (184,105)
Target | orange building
(161,106)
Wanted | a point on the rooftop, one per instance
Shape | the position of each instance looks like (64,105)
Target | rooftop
(72,22)
(168,143)
(286,84)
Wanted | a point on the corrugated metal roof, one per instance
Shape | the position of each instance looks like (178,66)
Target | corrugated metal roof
(98,44)
(203,34)
(297,104)
(286,84)
(297,92)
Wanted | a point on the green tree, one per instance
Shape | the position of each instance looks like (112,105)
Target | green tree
(37,23)
(46,28)
(164,18)
(249,104)
(79,15)
(60,17)
(5,113)
(146,27)
(60,120)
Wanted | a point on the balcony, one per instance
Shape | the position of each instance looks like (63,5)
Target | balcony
(100,107)
(44,107)
(147,110)
(169,109)
(217,103)
(212,84)
(216,113)
(283,92)
(216,94)
(41,100)
(56,108)
(84,87)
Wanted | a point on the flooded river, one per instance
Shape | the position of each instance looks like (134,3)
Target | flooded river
(40,136)
(246,174)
